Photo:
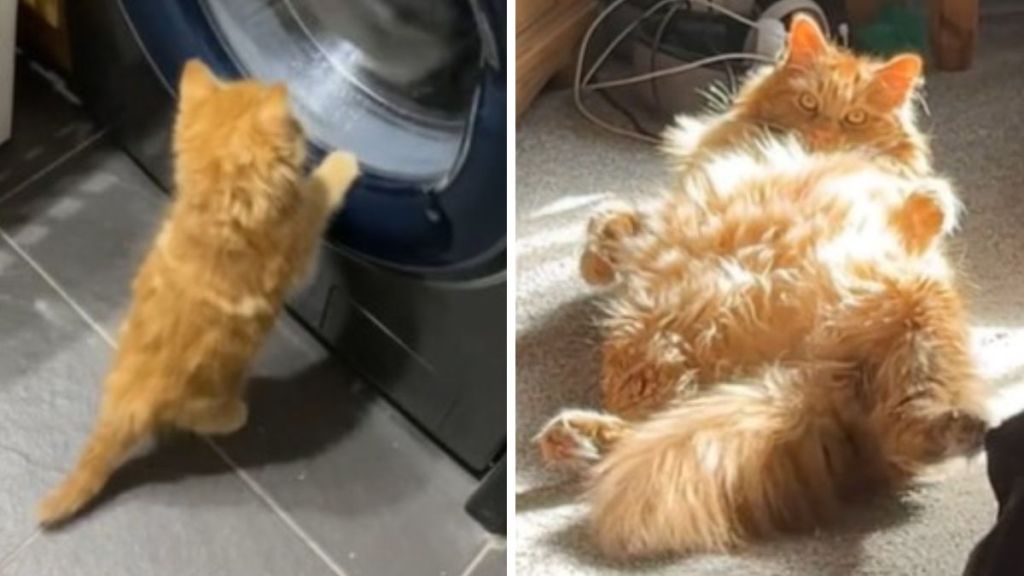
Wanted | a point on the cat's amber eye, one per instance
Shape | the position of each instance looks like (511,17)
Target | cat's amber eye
(855,118)
(808,102)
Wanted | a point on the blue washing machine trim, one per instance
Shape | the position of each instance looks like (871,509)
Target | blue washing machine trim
(457,225)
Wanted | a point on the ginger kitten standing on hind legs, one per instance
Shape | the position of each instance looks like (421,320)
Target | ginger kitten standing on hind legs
(241,231)
(782,334)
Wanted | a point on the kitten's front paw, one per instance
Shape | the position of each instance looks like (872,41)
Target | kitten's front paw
(337,172)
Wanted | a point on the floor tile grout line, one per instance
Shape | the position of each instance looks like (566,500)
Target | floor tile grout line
(477,558)
(58,288)
(255,486)
(251,483)
(9,559)
(53,165)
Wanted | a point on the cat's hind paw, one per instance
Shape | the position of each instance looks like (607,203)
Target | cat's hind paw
(578,438)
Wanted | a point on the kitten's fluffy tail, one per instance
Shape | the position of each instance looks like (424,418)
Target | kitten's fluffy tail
(731,464)
(111,442)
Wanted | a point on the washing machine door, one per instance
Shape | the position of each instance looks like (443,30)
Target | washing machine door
(415,89)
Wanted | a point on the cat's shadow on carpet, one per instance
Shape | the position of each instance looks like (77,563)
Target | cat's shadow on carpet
(834,551)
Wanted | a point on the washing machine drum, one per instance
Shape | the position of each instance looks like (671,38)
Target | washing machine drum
(414,88)
(391,80)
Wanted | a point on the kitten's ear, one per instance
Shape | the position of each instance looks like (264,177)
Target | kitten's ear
(896,79)
(806,41)
(277,95)
(275,106)
(197,81)
(926,215)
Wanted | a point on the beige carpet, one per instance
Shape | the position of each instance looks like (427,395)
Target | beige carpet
(565,167)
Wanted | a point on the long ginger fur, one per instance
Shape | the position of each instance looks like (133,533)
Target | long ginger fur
(239,234)
(783,334)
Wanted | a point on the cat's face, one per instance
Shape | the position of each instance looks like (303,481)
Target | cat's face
(832,98)
(236,128)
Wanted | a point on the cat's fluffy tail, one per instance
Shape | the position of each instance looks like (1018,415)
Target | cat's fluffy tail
(111,442)
(737,462)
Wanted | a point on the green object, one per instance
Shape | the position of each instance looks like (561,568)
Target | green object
(897,28)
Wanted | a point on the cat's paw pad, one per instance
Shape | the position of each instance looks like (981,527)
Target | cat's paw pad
(595,269)
(578,437)
(561,444)
(613,222)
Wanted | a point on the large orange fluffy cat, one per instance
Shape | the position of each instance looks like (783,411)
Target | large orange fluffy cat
(820,93)
(831,98)
(784,332)
(240,233)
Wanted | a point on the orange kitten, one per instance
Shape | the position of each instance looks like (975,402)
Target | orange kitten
(241,231)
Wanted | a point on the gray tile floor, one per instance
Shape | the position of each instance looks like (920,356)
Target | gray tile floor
(326,479)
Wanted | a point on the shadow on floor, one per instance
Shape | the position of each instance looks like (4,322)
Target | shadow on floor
(290,419)
(837,552)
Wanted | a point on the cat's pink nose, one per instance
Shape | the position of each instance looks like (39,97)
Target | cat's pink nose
(822,138)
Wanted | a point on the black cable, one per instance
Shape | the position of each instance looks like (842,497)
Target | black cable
(655,46)
(603,93)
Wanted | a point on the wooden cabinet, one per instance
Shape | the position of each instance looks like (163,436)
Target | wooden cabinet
(952,28)
(548,33)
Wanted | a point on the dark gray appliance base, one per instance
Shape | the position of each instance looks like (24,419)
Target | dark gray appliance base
(436,348)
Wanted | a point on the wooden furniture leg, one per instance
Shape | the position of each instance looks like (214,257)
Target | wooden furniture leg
(547,38)
(953,32)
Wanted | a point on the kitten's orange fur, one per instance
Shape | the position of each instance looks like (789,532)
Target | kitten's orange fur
(241,231)
(786,334)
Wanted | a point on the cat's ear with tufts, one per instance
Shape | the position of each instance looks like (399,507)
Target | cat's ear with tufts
(896,80)
(806,41)
(197,82)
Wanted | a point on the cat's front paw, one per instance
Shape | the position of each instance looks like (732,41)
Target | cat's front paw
(606,230)
(595,269)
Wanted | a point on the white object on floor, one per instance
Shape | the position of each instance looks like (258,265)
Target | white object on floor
(8,16)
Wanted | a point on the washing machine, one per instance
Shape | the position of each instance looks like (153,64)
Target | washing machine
(411,284)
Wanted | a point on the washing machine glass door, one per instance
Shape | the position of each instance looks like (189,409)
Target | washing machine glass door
(391,80)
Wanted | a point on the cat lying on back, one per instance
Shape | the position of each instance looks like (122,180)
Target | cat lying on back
(827,97)
(783,334)
(241,231)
